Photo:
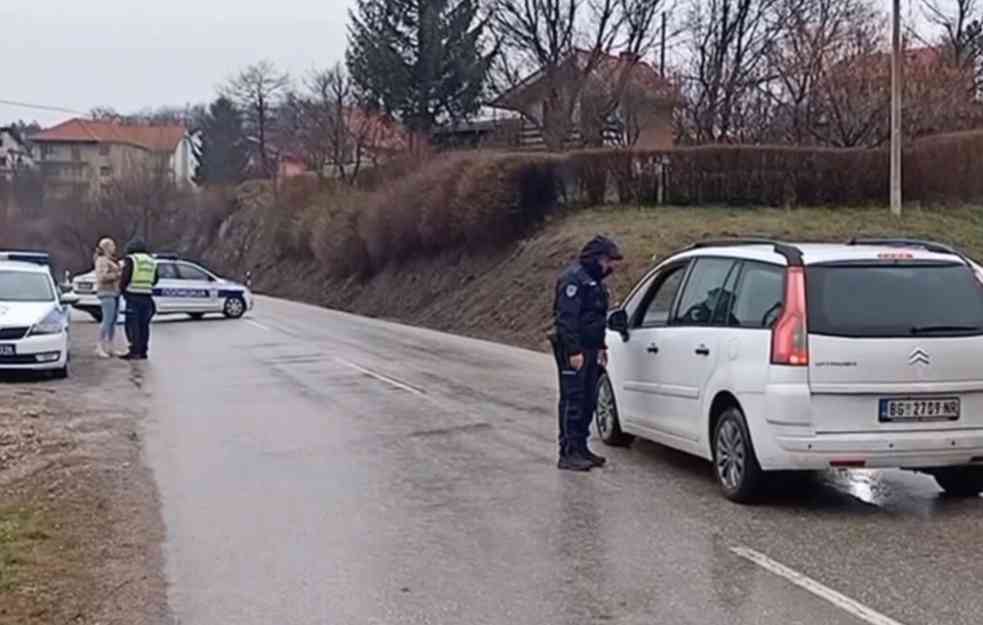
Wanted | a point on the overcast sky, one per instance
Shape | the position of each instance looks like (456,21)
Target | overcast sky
(78,54)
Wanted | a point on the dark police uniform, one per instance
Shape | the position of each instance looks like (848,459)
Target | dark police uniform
(580,320)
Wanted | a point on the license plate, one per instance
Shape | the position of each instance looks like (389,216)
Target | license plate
(84,287)
(8,350)
(919,410)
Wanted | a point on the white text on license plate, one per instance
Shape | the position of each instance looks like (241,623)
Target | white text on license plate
(919,410)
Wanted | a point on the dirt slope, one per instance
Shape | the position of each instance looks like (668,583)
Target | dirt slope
(506,295)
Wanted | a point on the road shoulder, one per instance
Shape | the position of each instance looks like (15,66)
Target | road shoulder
(80,525)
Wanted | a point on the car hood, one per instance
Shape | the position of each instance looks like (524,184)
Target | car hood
(23,314)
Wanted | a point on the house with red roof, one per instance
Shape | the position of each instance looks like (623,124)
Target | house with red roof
(640,100)
(81,156)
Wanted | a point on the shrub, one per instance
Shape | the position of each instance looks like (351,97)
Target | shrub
(945,168)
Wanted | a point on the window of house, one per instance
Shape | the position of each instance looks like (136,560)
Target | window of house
(76,153)
(105,171)
(104,149)
(46,151)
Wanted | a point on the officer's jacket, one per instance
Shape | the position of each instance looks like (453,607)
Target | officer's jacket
(580,310)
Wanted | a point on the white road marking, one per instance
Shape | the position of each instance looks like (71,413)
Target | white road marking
(841,601)
(383,378)
(258,325)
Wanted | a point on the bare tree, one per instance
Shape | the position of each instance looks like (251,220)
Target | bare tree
(812,34)
(959,25)
(258,91)
(729,51)
(328,126)
(567,42)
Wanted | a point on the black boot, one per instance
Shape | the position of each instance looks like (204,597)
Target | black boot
(597,461)
(574,462)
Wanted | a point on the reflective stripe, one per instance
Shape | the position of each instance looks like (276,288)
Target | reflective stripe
(144,270)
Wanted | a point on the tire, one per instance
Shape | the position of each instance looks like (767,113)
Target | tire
(734,461)
(96,316)
(960,481)
(606,416)
(197,316)
(234,307)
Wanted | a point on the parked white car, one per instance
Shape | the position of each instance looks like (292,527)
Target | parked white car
(183,287)
(34,320)
(764,356)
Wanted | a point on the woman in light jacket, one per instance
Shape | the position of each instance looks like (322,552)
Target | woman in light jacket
(108,273)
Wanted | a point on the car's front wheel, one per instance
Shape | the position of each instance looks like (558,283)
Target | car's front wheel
(960,481)
(735,463)
(606,416)
(234,307)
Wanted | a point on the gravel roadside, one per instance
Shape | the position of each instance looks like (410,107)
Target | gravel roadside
(80,526)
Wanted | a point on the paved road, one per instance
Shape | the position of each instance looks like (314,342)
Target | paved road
(317,468)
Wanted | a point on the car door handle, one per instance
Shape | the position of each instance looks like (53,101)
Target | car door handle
(702,350)
(652,348)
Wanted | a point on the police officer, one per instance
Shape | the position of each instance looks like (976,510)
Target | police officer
(580,320)
(137,285)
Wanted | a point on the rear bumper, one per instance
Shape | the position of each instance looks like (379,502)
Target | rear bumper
(38,353)
(786,437)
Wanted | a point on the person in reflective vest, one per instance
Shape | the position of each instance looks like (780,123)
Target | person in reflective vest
(137,284)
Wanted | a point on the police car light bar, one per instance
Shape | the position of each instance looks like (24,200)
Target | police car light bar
(37,258)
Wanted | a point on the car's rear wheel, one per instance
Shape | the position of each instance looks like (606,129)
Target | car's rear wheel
(735,463)
(606,416)
(234,307)
(960,481)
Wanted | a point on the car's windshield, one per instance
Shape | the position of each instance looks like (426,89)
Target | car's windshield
(22,286)
(894,300)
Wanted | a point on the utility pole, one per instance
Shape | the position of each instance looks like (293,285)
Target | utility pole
(662,48)
(896,80)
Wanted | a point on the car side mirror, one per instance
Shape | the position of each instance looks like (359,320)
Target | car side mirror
(618,322)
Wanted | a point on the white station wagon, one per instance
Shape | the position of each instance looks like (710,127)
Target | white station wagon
(764,356)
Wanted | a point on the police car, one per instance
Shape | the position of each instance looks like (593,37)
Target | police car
(183,287)
(34,317)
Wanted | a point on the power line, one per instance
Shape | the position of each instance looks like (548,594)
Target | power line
(40,107)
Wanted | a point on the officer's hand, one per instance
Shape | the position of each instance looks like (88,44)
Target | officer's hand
(577,362)
(602,358)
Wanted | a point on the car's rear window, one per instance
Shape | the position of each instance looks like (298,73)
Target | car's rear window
(891,300)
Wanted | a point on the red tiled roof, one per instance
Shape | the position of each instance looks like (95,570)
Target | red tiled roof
(153,138)
(379,132)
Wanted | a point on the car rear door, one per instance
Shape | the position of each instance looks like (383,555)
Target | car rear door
(200,288)
(895,346)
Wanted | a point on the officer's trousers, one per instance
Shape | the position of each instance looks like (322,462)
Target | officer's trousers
(578,399)
(140,309)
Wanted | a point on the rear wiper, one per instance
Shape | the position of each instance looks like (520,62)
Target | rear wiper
(931,329)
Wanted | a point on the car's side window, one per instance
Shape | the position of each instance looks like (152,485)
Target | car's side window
(760,296)
(657,305)
(723,314)
(190,272)
(167,271)
(704,292)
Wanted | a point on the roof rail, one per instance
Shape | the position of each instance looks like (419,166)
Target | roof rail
(166,256)
(928,246)
(791,253)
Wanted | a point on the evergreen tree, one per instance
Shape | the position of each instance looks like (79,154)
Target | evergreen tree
(421,60)
(223,153)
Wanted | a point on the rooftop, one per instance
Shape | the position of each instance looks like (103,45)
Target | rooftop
(78,130)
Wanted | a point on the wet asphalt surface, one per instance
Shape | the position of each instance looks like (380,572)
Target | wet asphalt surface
(318,468)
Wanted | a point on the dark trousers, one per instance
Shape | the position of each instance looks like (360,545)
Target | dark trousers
(578,399)
(140,310)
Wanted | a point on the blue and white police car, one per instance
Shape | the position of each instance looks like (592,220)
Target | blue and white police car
(183,287)
(34,316)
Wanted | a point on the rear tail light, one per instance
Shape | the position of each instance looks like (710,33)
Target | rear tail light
(790,337)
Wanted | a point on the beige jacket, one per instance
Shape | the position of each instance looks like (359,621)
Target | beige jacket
(108,273)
